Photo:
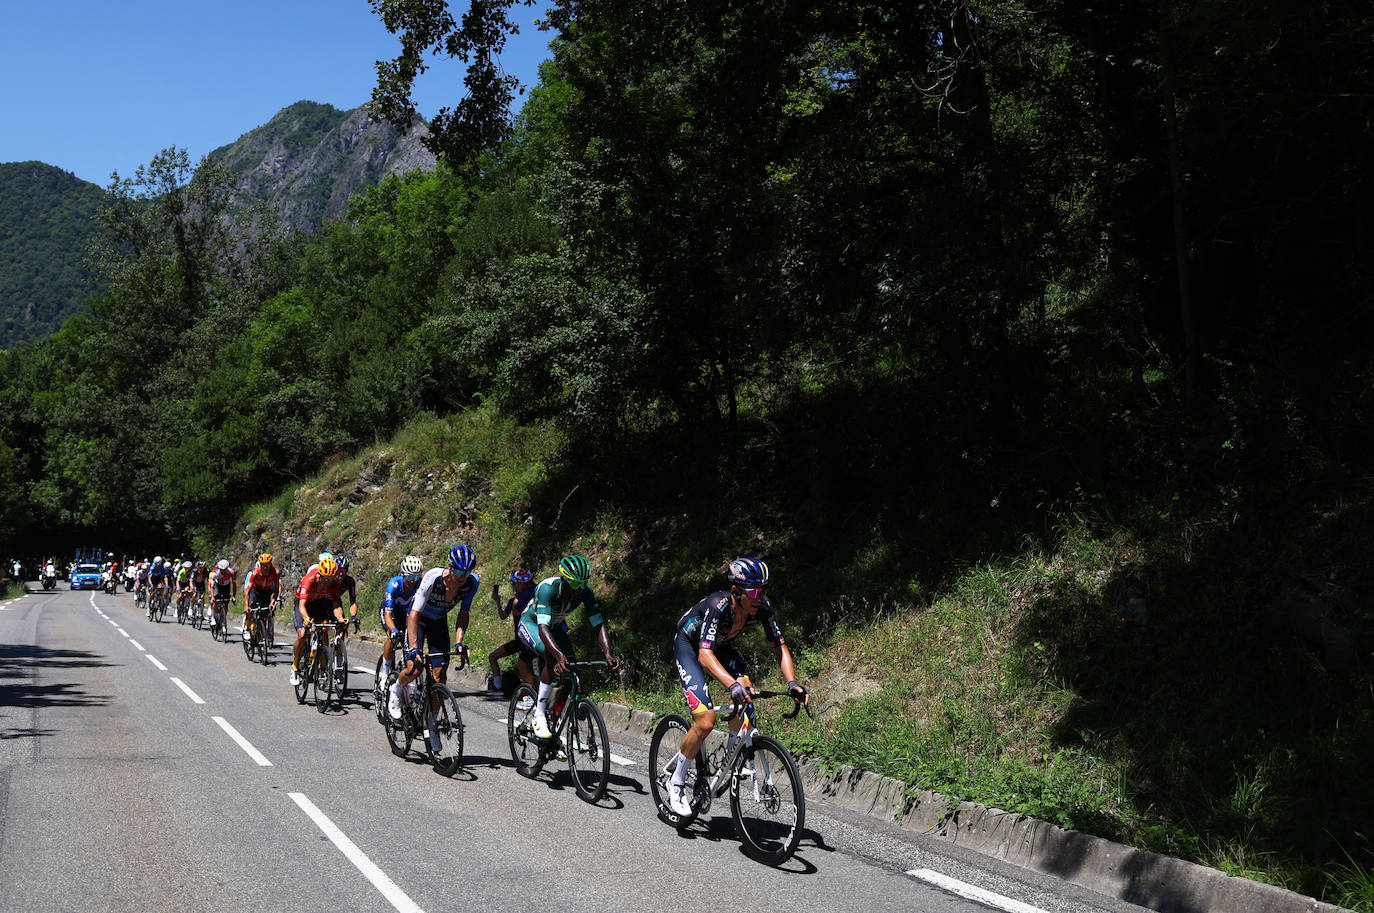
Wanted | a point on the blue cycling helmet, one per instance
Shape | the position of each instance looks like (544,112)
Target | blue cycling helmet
(521,575)
(462,559)
(748,573)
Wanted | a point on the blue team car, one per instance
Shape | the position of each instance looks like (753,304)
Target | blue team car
(86,577)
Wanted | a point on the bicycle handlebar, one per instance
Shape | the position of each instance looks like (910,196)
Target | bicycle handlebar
(735,709)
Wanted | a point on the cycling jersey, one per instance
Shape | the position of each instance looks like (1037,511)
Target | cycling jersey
(350,586)
(183,576)
(713,621)
(397,601)
(554,601)
(160,575)
(314,588)
(432,602)
(267,579)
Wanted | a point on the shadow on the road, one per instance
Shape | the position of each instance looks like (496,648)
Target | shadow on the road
(25,733)
(722,830)
(18,667)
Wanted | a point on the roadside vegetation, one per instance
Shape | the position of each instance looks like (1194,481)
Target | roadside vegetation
(1031,350)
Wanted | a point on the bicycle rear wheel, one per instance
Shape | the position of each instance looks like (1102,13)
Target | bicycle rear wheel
(524,749)
(322,675)
(250,646)
(340,669)
(444,731)
(589,751)
(663,750)
(181,613)
(766,801)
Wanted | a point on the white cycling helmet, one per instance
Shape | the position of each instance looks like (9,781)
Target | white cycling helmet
(157,560)
(411,566)
(186,565)
(223,564)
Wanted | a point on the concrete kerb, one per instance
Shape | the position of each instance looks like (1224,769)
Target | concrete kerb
(1145,879)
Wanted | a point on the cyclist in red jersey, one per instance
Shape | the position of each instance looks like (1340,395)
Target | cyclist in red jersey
(262,590)
(318,598)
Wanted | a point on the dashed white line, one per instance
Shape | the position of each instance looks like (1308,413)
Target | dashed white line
(153,659)
(246,745)
(189,693)
(112,621)
(379,879)
(969,892)
(623,762)
(122,631)
(137,646)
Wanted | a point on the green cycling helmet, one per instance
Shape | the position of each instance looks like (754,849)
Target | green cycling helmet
(575,570)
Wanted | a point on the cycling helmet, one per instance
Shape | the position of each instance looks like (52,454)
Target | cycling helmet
(343,564)
(265,558)
(461,559)
(185,565)
(329,568)
(324,555)
(575,570)
(411,566)
(223,564)
(200,564)
(748,573)
(521,575)
(157,560)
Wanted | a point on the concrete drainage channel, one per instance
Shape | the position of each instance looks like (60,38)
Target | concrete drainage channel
(1138,877)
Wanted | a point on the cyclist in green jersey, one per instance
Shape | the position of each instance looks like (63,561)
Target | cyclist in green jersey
(542,628)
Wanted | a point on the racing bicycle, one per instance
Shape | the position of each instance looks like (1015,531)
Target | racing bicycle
(766,798)
(429,712)
(577,729)
(258,637)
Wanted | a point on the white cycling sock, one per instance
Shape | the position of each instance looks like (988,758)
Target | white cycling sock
(545,688)
(680,774)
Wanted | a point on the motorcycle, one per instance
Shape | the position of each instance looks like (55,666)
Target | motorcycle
(49,580)
(108,583)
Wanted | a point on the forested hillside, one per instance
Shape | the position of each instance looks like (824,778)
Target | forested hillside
(1028,343)
(45,219)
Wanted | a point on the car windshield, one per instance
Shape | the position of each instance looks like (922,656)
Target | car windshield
(88,569)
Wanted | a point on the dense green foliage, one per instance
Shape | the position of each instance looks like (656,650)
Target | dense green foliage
(45,220)
(884,291)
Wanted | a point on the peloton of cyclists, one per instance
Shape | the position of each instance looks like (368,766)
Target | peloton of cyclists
(544,631)
(702,653)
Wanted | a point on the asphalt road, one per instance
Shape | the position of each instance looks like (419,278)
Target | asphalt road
(145,767)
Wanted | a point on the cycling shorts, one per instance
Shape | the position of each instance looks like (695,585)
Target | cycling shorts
(695,679)
(317,609)
(435,633)
(224,591)
(527,632)
(259,599)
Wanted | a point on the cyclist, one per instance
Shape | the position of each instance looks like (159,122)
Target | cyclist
(522,580)
(141,582)
(543,629)
(702,652)
(317,599)
(397,599)
(158,579)
(440,589)
(348,589)
(183,579)
(262,590)
(223,579)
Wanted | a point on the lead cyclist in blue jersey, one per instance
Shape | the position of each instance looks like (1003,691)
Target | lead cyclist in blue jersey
(543,629)
(702,653)
(440,590)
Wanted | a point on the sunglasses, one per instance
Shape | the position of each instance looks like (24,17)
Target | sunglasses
(753,592)
(410,578)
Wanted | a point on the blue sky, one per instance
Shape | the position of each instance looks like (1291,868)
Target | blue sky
(95,87)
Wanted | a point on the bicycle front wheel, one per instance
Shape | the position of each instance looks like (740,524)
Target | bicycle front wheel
(323,676)
(766,801)
(304,671)
(340,667)
(524,749)
(380,697)
(250,646)
(663,751)
(264,639)
(444,731)
(589,751)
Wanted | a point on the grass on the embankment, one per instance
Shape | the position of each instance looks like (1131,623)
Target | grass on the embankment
(1138,679)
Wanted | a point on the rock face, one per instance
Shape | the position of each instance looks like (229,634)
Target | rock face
(310,159)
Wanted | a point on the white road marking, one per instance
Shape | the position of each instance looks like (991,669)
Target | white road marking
(969,892)
(189,693)
(379,879)
(122,631)
(243,743)
(623,762)
(153,659)
(137,646)
(112,621)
